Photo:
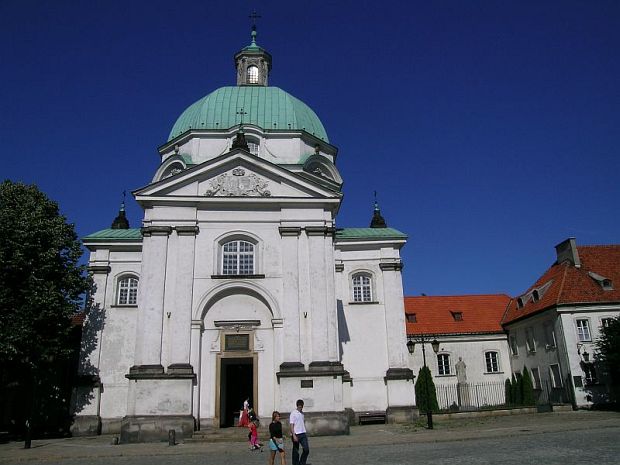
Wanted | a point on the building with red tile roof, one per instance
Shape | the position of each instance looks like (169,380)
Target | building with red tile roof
(473,347)
(554,325)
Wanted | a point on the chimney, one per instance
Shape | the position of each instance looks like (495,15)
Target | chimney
(567,251)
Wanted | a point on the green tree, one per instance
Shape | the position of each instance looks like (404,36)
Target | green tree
(425,392)
(41,288)
(519,389)
(527,388)
(608,346)
(508,391)
(514,391)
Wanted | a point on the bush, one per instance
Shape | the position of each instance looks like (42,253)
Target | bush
(424,399)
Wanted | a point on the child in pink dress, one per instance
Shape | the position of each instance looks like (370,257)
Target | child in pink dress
(254,444)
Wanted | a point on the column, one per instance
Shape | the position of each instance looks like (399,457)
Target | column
(290,298)
(181,312)
(151,297)
(318,292)
(394,314)
(195,360)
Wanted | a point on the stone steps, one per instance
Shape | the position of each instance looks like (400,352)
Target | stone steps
(233,434)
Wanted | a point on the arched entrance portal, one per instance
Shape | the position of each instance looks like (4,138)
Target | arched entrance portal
(238,354)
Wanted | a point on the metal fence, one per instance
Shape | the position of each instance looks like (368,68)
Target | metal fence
(465,397)
(471,396)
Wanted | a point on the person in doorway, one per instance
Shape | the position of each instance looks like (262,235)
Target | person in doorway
(276,441)
(244,418)
(298,434)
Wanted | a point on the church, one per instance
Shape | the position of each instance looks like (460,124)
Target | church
(238,284)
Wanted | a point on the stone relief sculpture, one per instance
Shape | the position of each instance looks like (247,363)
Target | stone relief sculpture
(461,371)
(238,185)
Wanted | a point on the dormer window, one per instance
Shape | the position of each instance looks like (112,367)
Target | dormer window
(252,74)
(520,302)
(411,318)
(604,282)
(458,316)
(535,295)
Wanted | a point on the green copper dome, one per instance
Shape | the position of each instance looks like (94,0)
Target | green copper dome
(266,107)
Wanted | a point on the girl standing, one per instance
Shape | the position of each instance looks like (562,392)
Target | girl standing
(276,442)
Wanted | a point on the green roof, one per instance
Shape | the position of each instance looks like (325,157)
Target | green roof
(369,233)
(132,234)
(265,107)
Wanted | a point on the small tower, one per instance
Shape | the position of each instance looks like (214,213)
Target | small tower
(121,222)
(377,220)
(253,64)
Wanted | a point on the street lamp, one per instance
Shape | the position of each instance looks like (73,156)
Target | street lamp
(422,339)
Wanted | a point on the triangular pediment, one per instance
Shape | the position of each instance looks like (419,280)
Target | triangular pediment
(237,174)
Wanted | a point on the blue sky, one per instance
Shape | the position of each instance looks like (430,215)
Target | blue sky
(490,129)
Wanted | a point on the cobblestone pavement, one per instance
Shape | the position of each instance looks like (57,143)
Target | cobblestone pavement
(551,439)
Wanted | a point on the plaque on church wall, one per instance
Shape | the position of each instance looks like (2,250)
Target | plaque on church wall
(237,342)
(307,383)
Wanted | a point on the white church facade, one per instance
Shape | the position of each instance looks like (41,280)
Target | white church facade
(239,284)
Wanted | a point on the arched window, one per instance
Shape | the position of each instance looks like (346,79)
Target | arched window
(362,288)
(238,257)
(127,291)
(252,74)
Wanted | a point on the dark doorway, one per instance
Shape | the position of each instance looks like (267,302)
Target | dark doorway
(237,384)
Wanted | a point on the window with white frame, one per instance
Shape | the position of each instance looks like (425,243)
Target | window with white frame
(530,342)
(443,364)
(583,330)
(362,287)
(127,291)
(514,347)
(492,361)
(556,377)
(536,378)
(253,147)
(238,258)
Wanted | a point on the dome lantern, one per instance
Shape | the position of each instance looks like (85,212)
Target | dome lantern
(253,64)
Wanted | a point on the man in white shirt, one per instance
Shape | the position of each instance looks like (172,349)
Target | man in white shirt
(298,434)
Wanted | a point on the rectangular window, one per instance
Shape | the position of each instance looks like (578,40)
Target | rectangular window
(556,377)
(514,348)
(583,330)
(605,322)
(443,364)
(536,378)
(492,362)
(411,318)
(549,335)
(530,342)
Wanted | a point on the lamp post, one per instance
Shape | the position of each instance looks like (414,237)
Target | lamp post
(422,339)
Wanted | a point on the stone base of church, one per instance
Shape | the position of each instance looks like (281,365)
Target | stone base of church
(154,428)
(405,414)
(326,423)
(86,425)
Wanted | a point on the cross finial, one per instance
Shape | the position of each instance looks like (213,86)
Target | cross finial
(241,112)
(254,16)
(376,203)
